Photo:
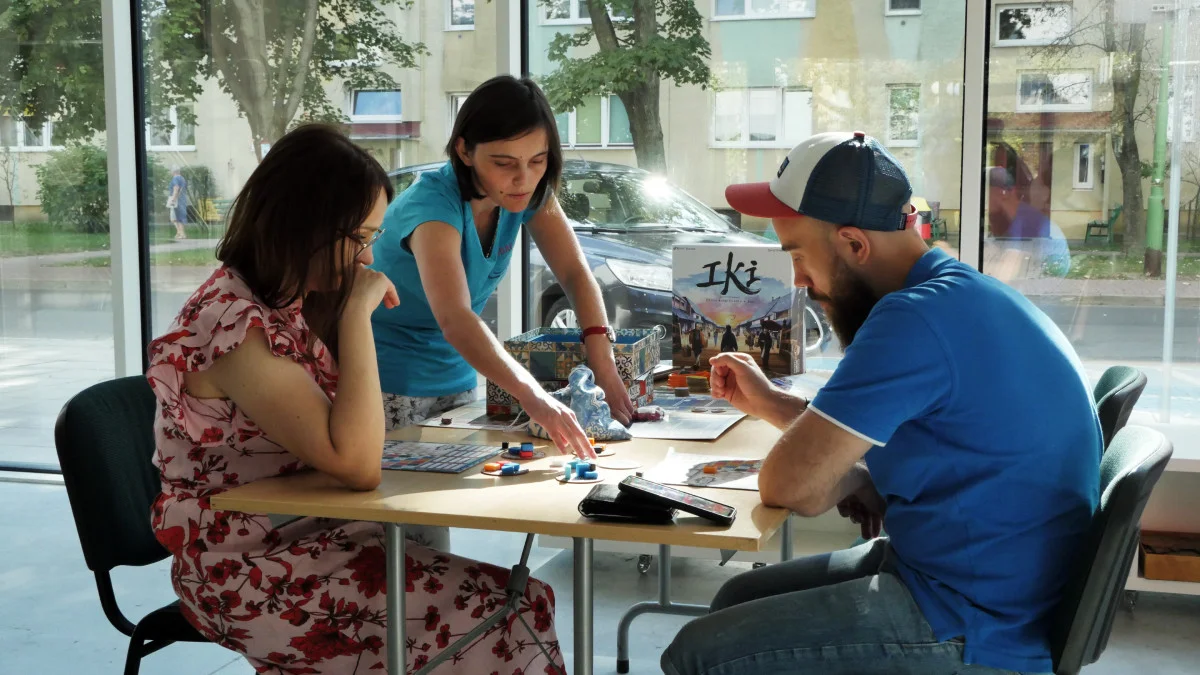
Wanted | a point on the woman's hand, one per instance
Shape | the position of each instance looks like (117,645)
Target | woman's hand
(615,393)
(559,422)
(370,289)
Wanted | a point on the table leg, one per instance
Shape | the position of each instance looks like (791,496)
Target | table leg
(785,540)
(583,606)
(396,582)
(663,606)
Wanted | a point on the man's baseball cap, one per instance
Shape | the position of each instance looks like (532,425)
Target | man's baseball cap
(840,177)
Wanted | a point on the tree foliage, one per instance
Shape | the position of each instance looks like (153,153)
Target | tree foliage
(273,58)
(639,43)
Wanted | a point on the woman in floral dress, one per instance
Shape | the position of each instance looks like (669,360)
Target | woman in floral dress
(247,390)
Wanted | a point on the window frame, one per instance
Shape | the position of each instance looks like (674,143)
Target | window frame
(569,141)
(450,25)
(1090,183)
(747,15)
(374,118)
(889,11)
(781,142)
(174,145)
(1057,107)
(19,137)
(903,142)
(998,42)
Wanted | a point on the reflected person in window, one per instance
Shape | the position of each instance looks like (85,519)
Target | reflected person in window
(177,202)
(449,241)
(270,369)
(960,418)
(1022,242)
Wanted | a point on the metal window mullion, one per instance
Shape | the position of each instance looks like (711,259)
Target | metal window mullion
(974,125)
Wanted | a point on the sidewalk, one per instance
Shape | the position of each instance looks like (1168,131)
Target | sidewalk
(55,272)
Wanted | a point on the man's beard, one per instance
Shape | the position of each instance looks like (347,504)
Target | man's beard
(850,301)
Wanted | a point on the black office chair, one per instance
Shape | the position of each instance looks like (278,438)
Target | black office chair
(1115,394)
(1130,468)
(105,441)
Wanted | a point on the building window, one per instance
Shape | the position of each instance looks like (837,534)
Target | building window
(1084,177)
(904,107)
(16,134)
(903,7)
(456,104)
(176,134)
(763,9)
(575,12)
(761,118)
(375,105)
(599,122)
(1032,24)
(1069,91)
(460,15)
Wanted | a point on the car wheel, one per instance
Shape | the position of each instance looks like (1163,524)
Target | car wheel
(560,315)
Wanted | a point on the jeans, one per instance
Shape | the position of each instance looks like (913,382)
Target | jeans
(840,613)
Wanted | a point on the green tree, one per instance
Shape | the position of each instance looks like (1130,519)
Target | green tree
(1100,28)
(649,41)
(273,57)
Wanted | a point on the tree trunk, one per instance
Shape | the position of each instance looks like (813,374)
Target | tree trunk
(646,126)
(1126,86)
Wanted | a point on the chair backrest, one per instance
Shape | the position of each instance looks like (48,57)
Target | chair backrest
(1115,394)
(105,441)
(1128,472)
(1116,213)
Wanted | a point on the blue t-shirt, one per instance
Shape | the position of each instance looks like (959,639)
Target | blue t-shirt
(181,183)
(414,357)
(986,447)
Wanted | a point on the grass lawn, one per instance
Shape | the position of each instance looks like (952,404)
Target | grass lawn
(198,257)
(1100,266)
(25,239)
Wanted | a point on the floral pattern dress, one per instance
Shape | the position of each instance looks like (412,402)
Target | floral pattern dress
(309,596)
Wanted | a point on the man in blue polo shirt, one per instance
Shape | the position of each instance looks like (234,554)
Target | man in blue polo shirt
(960,418)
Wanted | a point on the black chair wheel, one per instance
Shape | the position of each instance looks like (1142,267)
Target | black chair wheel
(758,565)
(643,565)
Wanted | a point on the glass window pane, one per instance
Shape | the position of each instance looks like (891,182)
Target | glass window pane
(8,131)
(583,12)
(56,299)
(764,114)
(377,103)
(728,111)
(903,108)
(462,12)
(1056,91)
(563,121)
(186,129)
(797,115)
(561,9)
(763,86)
(904,5)
(1033,24)
(730,7)
(618,122)
(587,122)
(1084,164)
(34,136)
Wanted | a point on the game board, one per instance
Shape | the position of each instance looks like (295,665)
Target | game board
(474,416)
(680,468)
(684,424)
(434,457)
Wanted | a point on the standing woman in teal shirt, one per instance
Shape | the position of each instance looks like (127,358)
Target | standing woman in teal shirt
(448,242)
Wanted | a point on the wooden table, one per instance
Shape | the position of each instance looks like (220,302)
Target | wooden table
(534,503)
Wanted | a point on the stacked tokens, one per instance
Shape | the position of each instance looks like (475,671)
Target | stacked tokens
(526,451)
(576,470)
(504,469)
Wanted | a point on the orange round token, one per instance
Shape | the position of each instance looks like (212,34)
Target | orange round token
(491,467)
(710,469)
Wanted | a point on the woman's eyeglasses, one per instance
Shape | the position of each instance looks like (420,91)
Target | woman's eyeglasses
(364,244)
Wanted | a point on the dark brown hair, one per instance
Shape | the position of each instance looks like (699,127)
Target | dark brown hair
(502,108)
(312,190)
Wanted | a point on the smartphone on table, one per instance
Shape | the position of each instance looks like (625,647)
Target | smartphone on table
(678,499)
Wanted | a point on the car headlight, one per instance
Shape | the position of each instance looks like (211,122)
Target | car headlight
(638,275)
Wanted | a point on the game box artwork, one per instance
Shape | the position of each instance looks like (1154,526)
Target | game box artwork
(736,299)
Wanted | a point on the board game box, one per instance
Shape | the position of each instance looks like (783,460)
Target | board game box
(500,402)
(552,353)
(736,299)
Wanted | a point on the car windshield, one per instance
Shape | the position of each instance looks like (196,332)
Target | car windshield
(632,200)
